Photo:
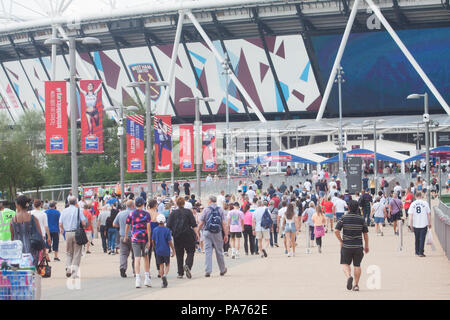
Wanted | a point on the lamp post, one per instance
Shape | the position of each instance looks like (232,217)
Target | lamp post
(375,163)
(72,40)
(226,71)
(120,136)
(198,136)
(426,120)
(340,80)
(149,124)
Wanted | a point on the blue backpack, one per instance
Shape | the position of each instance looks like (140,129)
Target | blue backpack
(214,221)
(266,220)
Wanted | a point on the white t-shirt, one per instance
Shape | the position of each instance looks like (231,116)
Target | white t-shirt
(42,218)
(419,211)
(220,201)
(257,215)
(398,189)
(281,213)
(378,210)
(251,194)
(307,185)
(188,205)
(340,205)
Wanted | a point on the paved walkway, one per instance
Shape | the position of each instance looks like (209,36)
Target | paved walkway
(306,276)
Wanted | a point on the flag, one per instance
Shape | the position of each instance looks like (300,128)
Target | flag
(209,147)
(135,143)
(91,116)
(163,143)
(186,147)
(55,117)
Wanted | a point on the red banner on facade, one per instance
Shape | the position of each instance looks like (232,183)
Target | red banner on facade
(91,109)
(186,147)
(55,117)
(135,144)
(209,147)
(163,143)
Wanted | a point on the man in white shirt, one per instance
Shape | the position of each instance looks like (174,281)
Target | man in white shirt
(263,235)
(251,194)
(398,189)
(221,199)
(420,219)
(339,207)
(307,185)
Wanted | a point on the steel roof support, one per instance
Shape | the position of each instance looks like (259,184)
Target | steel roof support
(38,49)
(26,75)
(13,88)
(8,103)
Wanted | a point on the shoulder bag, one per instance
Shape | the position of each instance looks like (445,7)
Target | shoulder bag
(80,235)
(36,240)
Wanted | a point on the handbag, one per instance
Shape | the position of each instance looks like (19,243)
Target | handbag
(319,231)
(80,235)
(44,269)
(36,241)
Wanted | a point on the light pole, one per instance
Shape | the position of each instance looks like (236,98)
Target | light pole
(72,40)
(120,136)
(149,124)
(426,120)
(198,137)
(340,80)
(226,71)
(375,163)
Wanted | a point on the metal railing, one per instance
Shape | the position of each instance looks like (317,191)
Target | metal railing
(442,226)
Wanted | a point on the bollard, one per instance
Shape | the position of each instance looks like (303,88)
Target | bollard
(308,236)
(400,231)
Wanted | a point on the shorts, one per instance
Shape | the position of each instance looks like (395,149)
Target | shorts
(397,216)
(264,234)
(378,220)
(290,227)
(162,260)
(329,215)
(352,254)
(139,249)
(235,235)
(339,215)
(322,194)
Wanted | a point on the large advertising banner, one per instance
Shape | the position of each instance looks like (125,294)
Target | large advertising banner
(163,143)
(186,147)
(135,144)
(209,147)
(91,116)
(55,117)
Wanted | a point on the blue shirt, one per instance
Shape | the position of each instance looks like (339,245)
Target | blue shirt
(111,201)
(53,220)
(161,236)
(120,220)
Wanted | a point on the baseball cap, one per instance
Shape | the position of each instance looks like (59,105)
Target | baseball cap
(139,201)
(161,218)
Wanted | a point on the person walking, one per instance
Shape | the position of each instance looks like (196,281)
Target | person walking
(111,231)
(101,226)
(213,222)
(365,202)
(262,223)
(162,242)
(420,222)
(43,222)
(281,213)
(88,229)
(69,222)
(53,216)
(152,210)
(249,238)
(236,225)
(125,246)
(353,228)
(6,216)
(183,225)
(290,225)
(139,220)
(328,208)
(408,201)
(319,220)
(307,218)
(275,227)
(379,214)
(395,211)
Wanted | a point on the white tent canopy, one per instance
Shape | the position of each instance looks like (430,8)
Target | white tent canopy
(306,154)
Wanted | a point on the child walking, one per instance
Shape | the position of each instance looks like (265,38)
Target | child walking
(162,242)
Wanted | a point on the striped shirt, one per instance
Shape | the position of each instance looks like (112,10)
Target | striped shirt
(354,226)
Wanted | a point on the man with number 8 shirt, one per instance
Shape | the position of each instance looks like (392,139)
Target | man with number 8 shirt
(420,220)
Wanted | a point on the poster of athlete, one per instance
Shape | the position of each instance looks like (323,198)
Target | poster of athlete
(91,110)
(209,147)
(135,143)
(163,143)
(55,117)
(186,147)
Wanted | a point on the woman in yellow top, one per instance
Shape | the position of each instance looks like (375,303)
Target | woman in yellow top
(319,221)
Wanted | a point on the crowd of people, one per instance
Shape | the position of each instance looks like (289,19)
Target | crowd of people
(138,226)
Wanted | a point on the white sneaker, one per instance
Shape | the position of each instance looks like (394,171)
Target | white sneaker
(293,254)
(138,281)
(147,282)
(289,254)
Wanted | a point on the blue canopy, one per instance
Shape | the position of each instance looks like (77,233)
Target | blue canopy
(434,153)
(280,156)
(365,154)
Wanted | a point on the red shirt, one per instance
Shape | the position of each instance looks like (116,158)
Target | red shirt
(409,198)
(89,218)
(95,206)
(327,206)
(276,201)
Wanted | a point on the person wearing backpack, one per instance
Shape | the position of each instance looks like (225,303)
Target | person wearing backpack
(213,222)
(262,224)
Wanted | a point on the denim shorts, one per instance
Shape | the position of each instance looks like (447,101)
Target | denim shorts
(378,220)
(290,227)
(329,215)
